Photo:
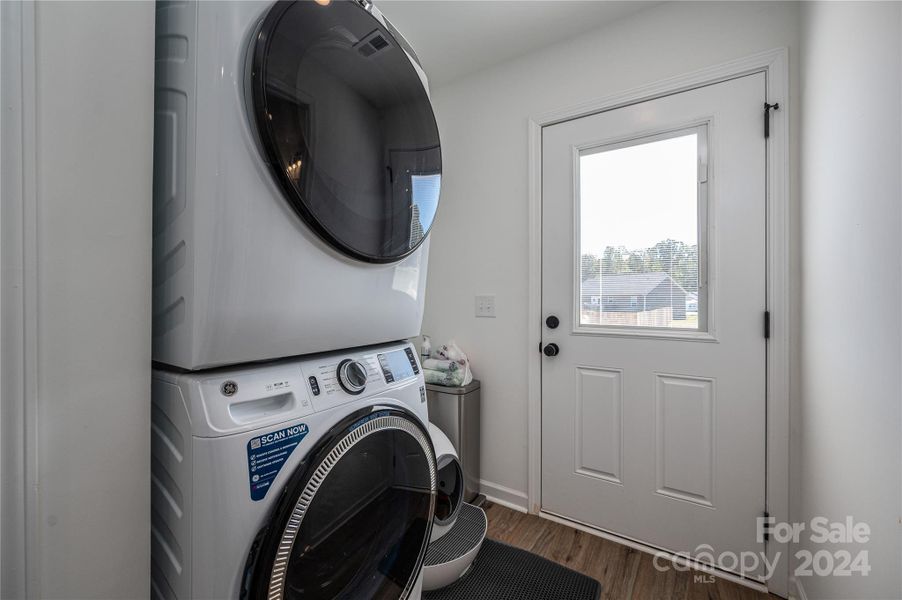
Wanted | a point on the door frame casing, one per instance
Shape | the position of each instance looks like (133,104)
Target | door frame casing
(19,394)
(774,64)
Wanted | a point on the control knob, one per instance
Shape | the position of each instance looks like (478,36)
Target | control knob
(352,376)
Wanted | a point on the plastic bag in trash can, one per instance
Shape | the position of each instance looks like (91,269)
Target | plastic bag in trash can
(448,366)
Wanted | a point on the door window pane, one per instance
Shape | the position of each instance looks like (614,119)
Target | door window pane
(640,216)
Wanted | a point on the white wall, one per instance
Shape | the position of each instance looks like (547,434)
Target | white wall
(76,303)
(848,426)
(480,242)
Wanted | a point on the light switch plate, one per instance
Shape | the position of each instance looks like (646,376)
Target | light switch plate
(485,306)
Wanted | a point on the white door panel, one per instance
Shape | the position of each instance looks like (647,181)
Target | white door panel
(653,412)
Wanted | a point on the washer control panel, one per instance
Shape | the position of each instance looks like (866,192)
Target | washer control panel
(339,377)
(229,401)
(327,373)
(398,365)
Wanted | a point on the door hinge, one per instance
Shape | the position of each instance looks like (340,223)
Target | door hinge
(765,530)
(767,109)
(767,324)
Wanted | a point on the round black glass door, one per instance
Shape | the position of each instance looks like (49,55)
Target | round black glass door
(356,519)
(347,127)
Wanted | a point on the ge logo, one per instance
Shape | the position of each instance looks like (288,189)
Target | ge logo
(228,388)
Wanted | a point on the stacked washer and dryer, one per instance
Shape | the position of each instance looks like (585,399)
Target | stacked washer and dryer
(297,169)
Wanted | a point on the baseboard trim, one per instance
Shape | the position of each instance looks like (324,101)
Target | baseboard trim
(642,547)
(505,496)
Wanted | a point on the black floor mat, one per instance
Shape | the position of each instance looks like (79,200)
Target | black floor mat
(502,572)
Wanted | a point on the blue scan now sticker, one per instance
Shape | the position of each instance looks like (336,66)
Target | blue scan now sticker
(267,453)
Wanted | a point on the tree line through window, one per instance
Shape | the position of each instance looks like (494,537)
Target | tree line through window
(646,287)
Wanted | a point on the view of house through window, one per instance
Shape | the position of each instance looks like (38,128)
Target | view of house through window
(639,234)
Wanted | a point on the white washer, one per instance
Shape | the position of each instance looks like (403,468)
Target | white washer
(297,169)
(312,478)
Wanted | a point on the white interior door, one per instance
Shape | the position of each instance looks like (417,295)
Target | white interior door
(653,263)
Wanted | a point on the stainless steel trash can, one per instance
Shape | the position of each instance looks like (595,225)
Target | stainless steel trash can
(455,410)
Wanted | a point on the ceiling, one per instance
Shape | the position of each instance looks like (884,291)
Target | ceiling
(456,37)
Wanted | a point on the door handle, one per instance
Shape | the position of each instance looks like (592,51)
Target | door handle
(551,349)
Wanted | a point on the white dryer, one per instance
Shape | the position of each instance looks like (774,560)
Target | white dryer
(312,478)
(297,170)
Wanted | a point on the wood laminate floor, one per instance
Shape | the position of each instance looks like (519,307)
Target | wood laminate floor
(624,573)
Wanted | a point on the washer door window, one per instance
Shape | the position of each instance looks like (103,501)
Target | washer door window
(347,127)
(356,517)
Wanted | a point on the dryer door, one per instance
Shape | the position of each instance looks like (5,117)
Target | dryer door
(346,125)
(355,519)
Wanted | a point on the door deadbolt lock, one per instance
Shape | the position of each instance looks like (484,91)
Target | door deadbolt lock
(551,349)
(552,322)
